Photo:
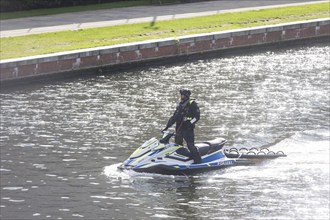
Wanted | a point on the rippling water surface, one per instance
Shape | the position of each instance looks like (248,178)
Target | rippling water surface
(61,143)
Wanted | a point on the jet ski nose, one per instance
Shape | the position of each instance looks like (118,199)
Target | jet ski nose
(125,167)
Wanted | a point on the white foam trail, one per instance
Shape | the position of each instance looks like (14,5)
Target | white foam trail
(306,151)
(112,171)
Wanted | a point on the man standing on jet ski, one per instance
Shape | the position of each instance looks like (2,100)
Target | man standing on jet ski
(186,116)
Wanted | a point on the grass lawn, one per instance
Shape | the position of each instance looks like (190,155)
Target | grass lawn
(53,11)
(14,47)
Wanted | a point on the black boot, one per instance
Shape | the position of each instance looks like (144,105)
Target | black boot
(196,156)
(197,160)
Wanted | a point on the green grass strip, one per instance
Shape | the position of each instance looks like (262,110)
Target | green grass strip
(53,11)
(14,47)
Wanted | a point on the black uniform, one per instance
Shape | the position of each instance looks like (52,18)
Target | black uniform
(185,116)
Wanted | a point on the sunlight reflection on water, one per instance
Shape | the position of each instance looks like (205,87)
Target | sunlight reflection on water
(61,143)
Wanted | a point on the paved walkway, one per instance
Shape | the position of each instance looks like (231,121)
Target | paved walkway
(101,18)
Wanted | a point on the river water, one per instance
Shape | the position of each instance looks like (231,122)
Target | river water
(61,143)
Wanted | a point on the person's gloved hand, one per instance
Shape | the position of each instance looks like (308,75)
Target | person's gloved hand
(165,129)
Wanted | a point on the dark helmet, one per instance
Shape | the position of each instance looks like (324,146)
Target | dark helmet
(186,92)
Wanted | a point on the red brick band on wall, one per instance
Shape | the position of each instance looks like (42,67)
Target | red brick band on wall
(21,68)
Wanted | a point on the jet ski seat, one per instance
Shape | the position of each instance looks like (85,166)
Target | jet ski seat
(207,147)
(202,148)
(216,142)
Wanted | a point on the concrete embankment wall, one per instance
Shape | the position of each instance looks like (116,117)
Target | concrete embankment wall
(95,59)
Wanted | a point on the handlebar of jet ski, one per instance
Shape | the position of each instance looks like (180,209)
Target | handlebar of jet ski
(168,132)
(167,137)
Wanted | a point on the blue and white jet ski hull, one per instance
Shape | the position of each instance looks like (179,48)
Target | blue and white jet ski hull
(162,157)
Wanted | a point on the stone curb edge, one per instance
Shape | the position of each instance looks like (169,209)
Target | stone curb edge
(102,57)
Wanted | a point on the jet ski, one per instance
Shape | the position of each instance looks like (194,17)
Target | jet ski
(163,157)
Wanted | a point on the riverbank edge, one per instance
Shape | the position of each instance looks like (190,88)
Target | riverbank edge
(95,60)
